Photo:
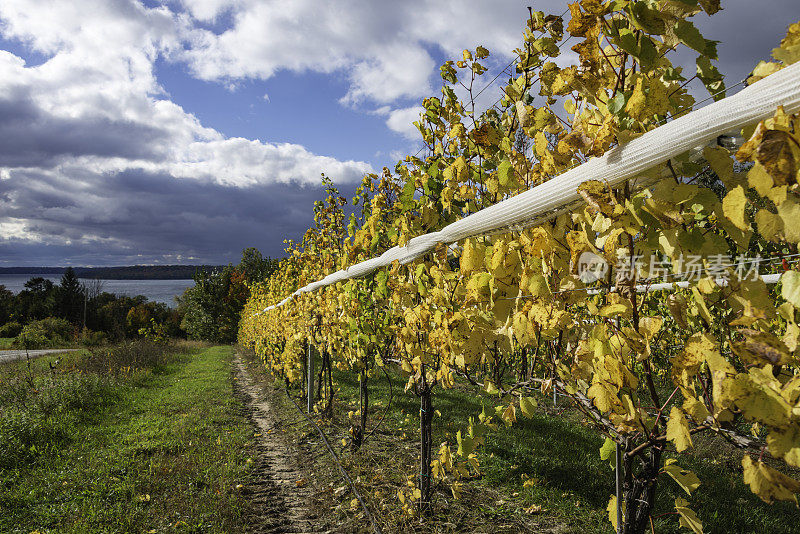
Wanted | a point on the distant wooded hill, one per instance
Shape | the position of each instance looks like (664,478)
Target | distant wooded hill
(131,272)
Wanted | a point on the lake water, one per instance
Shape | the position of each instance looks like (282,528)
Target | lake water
(156,290)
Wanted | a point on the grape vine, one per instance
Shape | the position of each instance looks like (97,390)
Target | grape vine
(510,313)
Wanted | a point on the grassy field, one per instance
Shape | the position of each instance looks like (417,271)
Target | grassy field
(5,343)
(568,486)
(158,449)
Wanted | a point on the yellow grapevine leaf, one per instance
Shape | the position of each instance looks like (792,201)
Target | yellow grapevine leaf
(777,153)
(789,49)
(748,148)
(685,479)
(761,348)
(762,70)
(462,171)
(721,163)
(701,306)
(777,195)
(785,444)
(604,398)
(768,483)
(538,286)
(509,415)
(733,207)
(678,430)
(769,224)
(486,135)
(759,179)
(688,519)
(490,388)
(612,511)
(790,289)
(598,195)
(696,409)
(757,394)
(789,212)
(649,326)
(637,103)
(471,257)
(611,310)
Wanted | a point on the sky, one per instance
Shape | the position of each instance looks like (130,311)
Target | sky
(183,131)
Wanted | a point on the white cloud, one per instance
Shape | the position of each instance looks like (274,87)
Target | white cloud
(383,47)
(96,100)
(401,121)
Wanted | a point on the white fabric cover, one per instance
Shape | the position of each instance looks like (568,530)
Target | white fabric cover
(750,105)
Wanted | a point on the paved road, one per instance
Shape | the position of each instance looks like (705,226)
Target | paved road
(11,355)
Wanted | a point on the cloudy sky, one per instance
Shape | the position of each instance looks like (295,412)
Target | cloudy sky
(181,131)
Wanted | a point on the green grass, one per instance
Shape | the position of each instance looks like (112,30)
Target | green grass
(554,449)
(158,450)
(5,343)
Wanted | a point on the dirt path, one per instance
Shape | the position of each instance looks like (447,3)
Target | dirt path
(279,502)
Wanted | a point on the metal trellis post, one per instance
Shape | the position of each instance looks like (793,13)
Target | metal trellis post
(618,474)
(310,368)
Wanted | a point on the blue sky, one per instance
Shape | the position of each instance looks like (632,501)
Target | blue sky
(291,107)
(183,131)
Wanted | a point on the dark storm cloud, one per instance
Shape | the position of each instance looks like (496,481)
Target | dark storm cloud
(32,137)
(139,217)
(747,31)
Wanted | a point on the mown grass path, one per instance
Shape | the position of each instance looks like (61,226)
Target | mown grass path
(164,453)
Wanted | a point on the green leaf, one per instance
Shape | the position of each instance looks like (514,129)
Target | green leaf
(711,77)
(647,52)
(465,444)
(627,41)
(407,194)
(616,104)
(381,279)
(691,37)
(505,173)
(527,405)
(607,452)
(645,15)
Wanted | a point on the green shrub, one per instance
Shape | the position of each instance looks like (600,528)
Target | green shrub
(89,338)
(10,329)
(49,332)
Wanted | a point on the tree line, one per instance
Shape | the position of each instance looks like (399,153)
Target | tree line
(72,310)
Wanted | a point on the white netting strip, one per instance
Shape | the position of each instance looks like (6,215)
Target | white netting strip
(750,105)
(668,286)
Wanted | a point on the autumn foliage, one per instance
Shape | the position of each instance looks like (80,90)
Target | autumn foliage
(509,313)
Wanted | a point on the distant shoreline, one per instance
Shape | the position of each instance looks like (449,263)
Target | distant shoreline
(129,272)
